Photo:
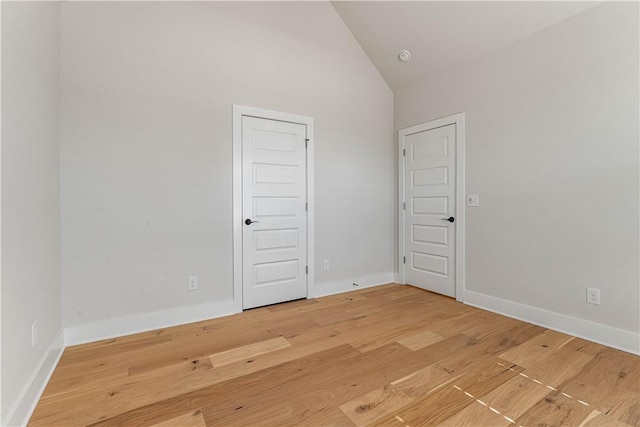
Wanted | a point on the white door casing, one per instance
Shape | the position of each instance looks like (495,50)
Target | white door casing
(431,180)
(273,191)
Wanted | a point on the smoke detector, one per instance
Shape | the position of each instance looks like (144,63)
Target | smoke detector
(404,55)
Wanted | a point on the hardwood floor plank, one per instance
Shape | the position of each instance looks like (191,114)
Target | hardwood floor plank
(78,354)
(192,419)
(380,334)
(532,351)
(603,420)
(479,416)
(585,346)
(500,324)
(461,323)
(188,364)
(374,405)
(329,417)
(341,316)
(248,351)
(108,343)
(625,407)
(420,339)
(83,380)
(289,328)
(558,366)
(365,310)
(555,410)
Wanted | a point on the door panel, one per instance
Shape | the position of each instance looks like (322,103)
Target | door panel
(275,207)
(430,198)
(429,206)
(432,176)
(276,273)
(274,196)
(273,240)
(430,234)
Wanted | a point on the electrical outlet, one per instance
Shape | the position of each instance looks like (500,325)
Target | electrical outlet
(192,283)
(593,296)
(326,265)
(473,200)
(34,334)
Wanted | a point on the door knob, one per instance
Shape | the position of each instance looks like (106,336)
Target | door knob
(450,219)
(249,222)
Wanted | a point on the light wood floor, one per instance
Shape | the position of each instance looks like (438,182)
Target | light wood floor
(387,356)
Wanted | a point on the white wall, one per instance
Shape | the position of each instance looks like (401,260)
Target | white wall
(147,94)
(552,149)
(30,196)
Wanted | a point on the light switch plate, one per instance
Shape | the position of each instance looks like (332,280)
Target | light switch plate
(473,200)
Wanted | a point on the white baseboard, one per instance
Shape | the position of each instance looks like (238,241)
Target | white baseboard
(21,411)
(621,339)
(121,326)
(346,285)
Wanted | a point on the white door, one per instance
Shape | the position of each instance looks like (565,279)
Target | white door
(430,205)
(274,236)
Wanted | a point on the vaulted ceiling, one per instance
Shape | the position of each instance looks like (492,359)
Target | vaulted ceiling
(444,34)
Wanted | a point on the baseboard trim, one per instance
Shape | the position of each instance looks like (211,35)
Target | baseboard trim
(127,325)
(22,410)
(597,332)
(346,285)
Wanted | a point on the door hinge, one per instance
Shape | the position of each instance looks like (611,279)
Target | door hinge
(403,152)
(307,269)
(306,143)
(404,259)
(403,206)
(306,207)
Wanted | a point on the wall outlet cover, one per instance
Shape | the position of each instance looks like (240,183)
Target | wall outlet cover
(192,283)
(593,296)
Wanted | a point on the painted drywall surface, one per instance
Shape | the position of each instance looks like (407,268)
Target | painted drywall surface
(146,122)
(552,150)
(30,190)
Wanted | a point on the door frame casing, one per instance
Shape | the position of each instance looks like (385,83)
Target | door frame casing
(457,120)
(240,111)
